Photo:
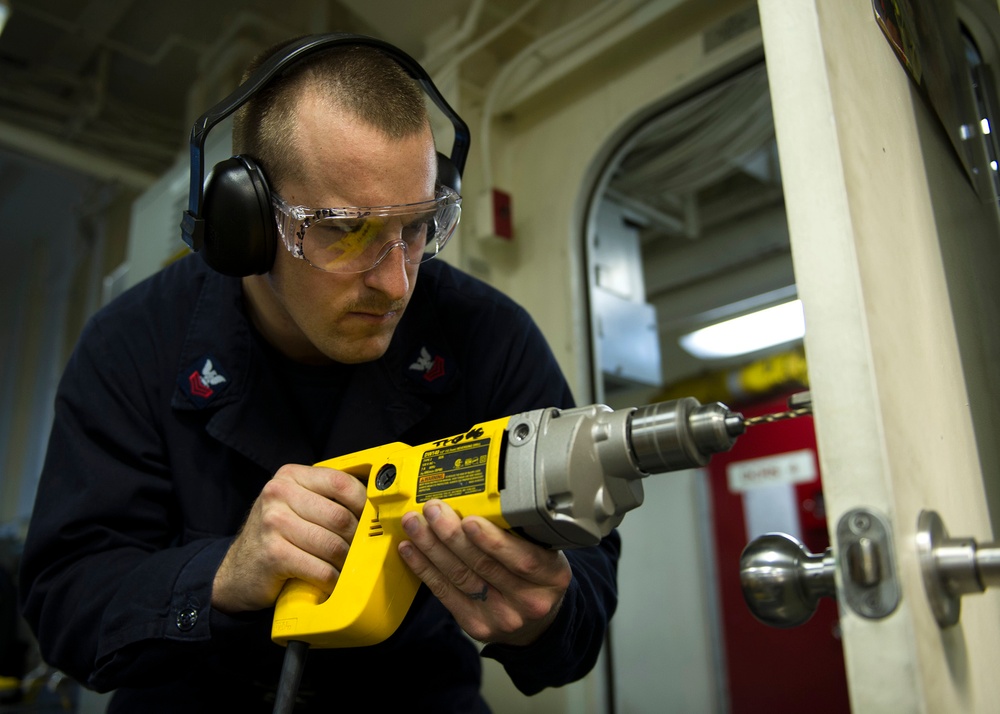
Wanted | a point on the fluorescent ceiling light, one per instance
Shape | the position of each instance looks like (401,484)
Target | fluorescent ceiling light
(748,333)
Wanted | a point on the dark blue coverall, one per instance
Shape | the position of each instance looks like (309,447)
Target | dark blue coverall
(172,414)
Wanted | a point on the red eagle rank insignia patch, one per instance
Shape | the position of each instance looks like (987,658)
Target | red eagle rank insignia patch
(430,368)
(203,381)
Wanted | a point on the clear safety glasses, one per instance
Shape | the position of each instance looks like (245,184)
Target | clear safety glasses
(356,239)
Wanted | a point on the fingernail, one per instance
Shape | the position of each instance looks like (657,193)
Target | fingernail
(432,512)
(411,523)
(471,528)
(406,549)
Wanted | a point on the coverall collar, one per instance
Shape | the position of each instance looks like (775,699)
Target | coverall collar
(250,412)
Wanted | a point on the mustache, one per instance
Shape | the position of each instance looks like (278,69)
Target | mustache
(376,306)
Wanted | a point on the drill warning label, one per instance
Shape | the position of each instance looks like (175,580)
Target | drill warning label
(454,470)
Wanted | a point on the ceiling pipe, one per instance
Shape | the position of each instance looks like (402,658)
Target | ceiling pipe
(151,59)
(244,20)
(624,19)
(45,148)
(569,34)
(664,221)
(92,108)
(94,22)
(482,41)
(157,56)
(465,30)
(221,65)
(136,142)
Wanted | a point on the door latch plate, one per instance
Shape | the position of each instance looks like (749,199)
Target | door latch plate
(867,563)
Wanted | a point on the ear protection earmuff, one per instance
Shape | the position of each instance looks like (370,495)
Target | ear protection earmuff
(229,218)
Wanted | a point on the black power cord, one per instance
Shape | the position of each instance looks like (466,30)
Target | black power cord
(291,673)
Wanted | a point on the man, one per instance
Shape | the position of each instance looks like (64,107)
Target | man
(193,404)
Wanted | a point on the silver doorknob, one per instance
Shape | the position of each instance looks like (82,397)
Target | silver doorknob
(782,581)
(953,567)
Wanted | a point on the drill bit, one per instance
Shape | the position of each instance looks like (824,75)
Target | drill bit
(798,405)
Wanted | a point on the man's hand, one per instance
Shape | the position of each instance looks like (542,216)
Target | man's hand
(301,526)
(499,587)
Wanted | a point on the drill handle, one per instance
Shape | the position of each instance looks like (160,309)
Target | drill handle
(375,588)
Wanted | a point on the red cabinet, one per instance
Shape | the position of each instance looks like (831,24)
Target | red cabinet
(770,481)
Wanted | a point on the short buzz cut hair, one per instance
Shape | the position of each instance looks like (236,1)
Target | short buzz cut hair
(358,79)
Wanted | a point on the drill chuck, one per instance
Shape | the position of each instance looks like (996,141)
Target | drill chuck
(681,434)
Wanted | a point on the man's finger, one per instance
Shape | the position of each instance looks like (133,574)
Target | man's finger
(509,555)
(433,561)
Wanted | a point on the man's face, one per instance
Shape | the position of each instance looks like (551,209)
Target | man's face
(313,316)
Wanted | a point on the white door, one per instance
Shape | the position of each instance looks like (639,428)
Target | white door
(896,261)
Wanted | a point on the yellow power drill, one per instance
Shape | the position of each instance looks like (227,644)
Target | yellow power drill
(562,478)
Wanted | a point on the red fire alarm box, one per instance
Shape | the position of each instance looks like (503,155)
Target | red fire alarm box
(503,225)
